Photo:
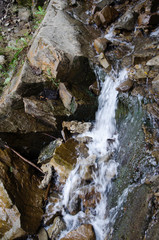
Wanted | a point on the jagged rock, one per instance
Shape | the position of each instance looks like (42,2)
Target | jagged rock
(42,234)
(154,61)
(125,86)
(47,153)
(155,84)
(77,127)
(95,88)
(64,158)
(127,21)
(106,16)
(143,19)
(2,60)
(67,99)
(47,169)
(10,224)
(41,110)
(24,14)
(54,51)
(21,185)
(103,61)
(83,232)
(57,227)
(100,44)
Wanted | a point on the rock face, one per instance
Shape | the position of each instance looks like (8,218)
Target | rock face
(81,233)
(20,187)
(52,49)
(10,225)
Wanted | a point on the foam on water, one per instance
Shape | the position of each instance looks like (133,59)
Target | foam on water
(104,142)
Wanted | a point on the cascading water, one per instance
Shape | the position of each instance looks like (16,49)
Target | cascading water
(101,148)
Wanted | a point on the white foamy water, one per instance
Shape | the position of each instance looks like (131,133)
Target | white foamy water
(101,148)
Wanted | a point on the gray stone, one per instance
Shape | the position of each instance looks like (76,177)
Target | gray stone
(47,153)
(154,61)
(24,14)
(2,60)
(54,50)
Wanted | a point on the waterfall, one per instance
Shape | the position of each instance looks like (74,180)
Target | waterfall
(101,148)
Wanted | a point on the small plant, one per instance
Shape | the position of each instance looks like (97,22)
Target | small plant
(55,81)
(40,11)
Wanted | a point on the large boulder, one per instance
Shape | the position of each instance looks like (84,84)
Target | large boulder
(54,50)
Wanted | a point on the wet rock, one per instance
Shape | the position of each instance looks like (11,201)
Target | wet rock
(47,152)
(24,14)
(81,233)
(40,110)
(106,16)
(10,224)
(153,62)
(57,227)
(127,21)
(89,197)
(125,86)
(153,109)
(103,61)
(67,99)
(100,44)
(42,234)
(2,60)
(134,217)
(155,84)
(64,158)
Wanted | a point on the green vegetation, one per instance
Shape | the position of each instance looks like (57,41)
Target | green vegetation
(38,16)
(54,81)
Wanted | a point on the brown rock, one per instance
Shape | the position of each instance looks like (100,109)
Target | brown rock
(84,232)
(125,86)
(107,15)
(64,158)
(143,19)
(103,61)
(100,44)
(77,127)
(10,224)
(67,99)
